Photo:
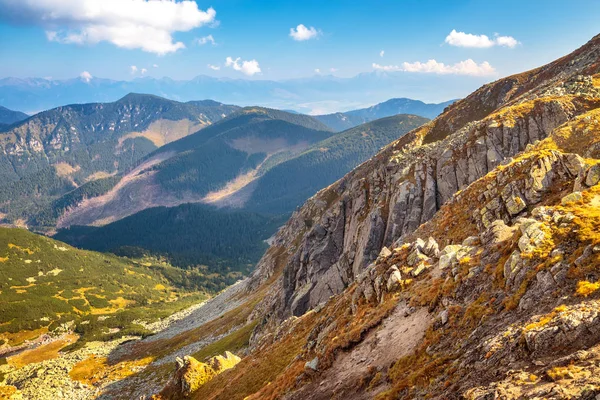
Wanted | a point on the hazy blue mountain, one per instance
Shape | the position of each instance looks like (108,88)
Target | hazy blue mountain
(8,117)
(320,94)
(341,121)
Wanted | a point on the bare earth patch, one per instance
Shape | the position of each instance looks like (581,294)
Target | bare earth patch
(397,337)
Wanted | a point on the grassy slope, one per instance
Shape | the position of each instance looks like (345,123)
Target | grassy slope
(44,282)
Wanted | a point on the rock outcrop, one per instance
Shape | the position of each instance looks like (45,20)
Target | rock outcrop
(190,374)
(332,239)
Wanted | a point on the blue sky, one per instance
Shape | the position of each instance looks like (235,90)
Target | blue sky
(349,38)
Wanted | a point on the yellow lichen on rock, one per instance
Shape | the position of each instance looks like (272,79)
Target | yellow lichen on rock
(191,374)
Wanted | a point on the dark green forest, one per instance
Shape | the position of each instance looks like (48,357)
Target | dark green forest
(187,235)
(288,184)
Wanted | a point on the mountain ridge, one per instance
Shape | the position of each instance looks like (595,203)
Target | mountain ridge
(57,150)
(349,119)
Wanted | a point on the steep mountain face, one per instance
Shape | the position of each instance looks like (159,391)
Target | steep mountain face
(341,230)
(57,150)
(460,262)
(8,117)
(349,119)
(205,167)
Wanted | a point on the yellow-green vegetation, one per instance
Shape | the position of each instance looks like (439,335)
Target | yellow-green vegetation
(545,319)
(232,342)
(96,369)
(568,372)
(45,283)
(585,288)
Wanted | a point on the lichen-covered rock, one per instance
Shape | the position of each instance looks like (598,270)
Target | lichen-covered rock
(452,254)
(572,198)
(532,235)
(190,374)
(593,175)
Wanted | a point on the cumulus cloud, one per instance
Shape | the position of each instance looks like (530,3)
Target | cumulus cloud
(301,33)
(86,76)
(462,39)
(204,40)
(317,70)
(144,70)
(214,67)
(333,69)
(130,24)
(155,65)
(381,53)
(246,67)
(467,67)
(133,69)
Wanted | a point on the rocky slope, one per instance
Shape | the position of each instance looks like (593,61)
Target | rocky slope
(338,232)
(460,262)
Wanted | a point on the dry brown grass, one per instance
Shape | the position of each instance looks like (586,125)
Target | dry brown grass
(42,353)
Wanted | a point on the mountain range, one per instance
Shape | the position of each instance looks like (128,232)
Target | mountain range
(58,150)
(457,260)
(341,121)
(320,94)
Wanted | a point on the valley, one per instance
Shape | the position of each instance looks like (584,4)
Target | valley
(158,247)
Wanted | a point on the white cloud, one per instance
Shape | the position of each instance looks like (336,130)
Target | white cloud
(155,65)
(133,69)
(214,67)
(204,40)
(507,41)
(246,67)
(86,76)
(381,53)
(317,70)
(132,24)
(386,67)
(467,67)
(462,39)
(333,69)
(144,70)
(303,33)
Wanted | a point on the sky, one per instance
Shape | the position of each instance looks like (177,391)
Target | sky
(278,40)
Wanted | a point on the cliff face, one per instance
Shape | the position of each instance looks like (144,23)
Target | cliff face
(461,262)
(339,231)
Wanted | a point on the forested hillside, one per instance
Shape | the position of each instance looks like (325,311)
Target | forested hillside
(57,150)
(288,184)
(188,235)
(206,167)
